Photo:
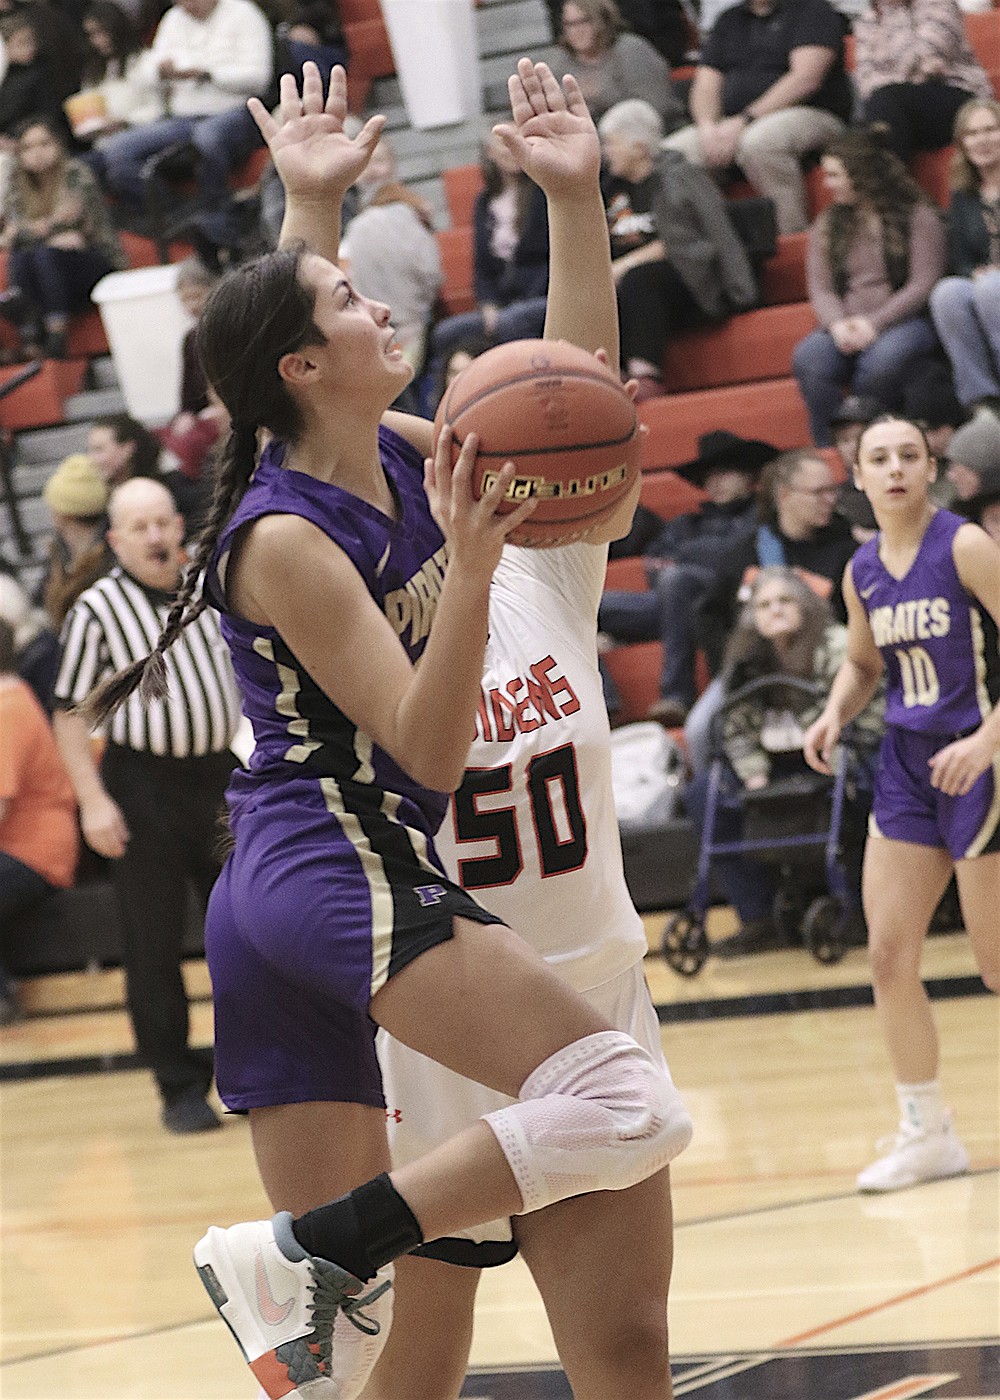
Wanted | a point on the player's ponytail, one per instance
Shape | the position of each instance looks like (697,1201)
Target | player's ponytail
(257,314)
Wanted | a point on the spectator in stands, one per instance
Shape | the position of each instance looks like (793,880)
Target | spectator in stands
(849,421)
(677,261)
(35,643)
(121,447)
(770,89)
(966,305)
(121,89)
(209,56)
(77,496)
(39,843)
(873,257)
(984,507)
(192,434)
(683,560)
(784,628)
(27,88)
(664,23)
(391,255)
(611,64)
(973,456)
(797,526)
(151,807)
(510,259)
(913,69)
(191,485)
(194,286)
(60,45)
(59,236)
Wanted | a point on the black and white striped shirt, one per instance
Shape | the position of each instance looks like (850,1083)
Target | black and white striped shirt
(118,621)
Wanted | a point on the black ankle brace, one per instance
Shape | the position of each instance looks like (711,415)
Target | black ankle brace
(362,1230)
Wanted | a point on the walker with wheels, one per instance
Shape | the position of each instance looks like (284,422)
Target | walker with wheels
(798,821)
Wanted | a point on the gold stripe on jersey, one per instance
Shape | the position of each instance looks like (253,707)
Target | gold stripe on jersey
(286,704)
(379,889)
(988,829)
(418,842)
(979,661)
(363,745)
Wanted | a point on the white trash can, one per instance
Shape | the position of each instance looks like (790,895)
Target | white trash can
(145,325)
(435,46)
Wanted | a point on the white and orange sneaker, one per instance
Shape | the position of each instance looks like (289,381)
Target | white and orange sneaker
(297,1319)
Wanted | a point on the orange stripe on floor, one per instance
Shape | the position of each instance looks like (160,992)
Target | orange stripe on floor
(887,1303)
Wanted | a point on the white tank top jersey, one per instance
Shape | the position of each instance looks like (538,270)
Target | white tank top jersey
(532,833)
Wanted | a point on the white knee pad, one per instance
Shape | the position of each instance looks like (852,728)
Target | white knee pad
(599,1115)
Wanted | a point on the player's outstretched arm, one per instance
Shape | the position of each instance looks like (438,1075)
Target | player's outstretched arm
(554,139)
(316,160)
(853,685)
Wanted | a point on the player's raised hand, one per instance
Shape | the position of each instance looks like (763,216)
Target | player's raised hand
(473,525)
(310,149)
(551,133)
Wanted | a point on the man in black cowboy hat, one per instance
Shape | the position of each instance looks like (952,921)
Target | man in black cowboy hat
(684,559)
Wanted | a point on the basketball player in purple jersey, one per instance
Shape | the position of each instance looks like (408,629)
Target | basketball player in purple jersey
(334,915)
(923,602)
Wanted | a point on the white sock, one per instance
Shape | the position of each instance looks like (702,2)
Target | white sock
(920,1107)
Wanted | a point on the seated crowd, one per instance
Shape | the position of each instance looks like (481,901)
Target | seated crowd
(907,306)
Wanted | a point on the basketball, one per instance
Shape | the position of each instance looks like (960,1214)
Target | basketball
(564,420)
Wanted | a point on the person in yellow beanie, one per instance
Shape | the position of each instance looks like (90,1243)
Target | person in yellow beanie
(77,495)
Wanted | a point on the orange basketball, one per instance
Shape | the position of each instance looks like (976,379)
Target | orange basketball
(562,418)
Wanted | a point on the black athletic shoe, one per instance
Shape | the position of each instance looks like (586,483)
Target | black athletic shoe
(189,1113)
(756,936)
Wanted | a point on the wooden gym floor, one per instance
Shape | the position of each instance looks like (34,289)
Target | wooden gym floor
(787,1285)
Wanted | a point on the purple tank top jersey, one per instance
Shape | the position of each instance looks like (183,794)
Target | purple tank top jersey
(299,731)
(938,643)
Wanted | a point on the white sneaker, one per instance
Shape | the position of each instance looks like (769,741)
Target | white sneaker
(914,1156)
(281,1305)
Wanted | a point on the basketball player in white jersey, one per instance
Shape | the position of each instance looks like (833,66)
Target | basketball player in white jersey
(532,833)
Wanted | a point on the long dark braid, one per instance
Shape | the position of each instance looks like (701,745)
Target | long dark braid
(258,313)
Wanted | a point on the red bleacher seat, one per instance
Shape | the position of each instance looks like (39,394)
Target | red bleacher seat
(783,279)
(40,401)
(667,494)
(756,345)
(461,185)
(86,335)
(984,36)
(635,670)
(249,173)
(930,169)
(772,411)
(369,48)
(455,247)
(629,575)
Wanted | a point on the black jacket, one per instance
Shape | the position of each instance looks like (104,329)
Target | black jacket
(825,554)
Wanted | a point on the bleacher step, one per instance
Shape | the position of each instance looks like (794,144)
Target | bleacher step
(30,477)
(93,403)
(51,445)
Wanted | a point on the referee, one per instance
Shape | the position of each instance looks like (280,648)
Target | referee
(152,805)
